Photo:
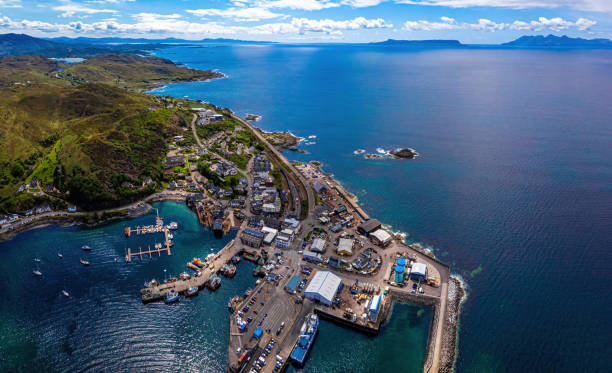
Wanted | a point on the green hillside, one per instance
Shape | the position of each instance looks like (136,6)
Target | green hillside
(94,142)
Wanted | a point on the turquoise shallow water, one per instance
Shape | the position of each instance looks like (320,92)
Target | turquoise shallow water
(515,176)
(103,326)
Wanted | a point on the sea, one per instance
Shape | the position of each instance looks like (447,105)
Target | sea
(512,188)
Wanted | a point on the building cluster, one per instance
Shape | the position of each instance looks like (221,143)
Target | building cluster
(265,198)
(268,231)
(206,116)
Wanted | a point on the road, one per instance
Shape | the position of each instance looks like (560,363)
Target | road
(279,155)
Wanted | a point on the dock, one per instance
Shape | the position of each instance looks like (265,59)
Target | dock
(156,293)
(159,227)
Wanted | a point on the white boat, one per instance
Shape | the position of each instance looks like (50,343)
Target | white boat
(173,225)
(65,293)
(37,260)
(59,255)
(37,272)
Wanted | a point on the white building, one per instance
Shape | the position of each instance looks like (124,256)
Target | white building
(270,235)
(381,237)
(323,287)
(318,245)
(345,246)
(374,307)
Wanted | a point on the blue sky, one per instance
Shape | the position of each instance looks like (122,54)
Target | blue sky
(471,21)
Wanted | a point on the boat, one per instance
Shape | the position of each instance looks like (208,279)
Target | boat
(213,282)
(184,276)
(198,262)
(171,297)
(65,293)
(236,259)
(170,236)
(231,305)
(37,272)
(37,260)
(308,333)
(84,262)
(171,280)
(59,255)
(173,225)
(192,291)
(151,283)
(193,266)
(230,272)
(85,248)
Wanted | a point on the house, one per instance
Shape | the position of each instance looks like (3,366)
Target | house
(50,189)
(43,209)
(13,217)
(147,181)
(72,208)
(29,212)
(177,160)
(320,188)
(216,118)
(23,188)
(34,183)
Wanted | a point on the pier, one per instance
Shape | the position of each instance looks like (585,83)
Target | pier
(159,227)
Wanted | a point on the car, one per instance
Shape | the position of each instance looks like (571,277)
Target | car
(282,325)
(265,315)
(260,322)
(249,319)
(255,312)
(245,309)
(278,331)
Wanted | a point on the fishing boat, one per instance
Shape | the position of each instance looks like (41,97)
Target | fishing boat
(308,333)
(151,283)
(213,282)
(85,248)
(192,291)
(193,266)
(170,236)
(198,262)
(230,271)
(231,305)
(171,297)
(173,225)
(184,276)
(171,280)
(59,255)
(37,272)
(37,260)
(236,259)
(65,293)
(84,262)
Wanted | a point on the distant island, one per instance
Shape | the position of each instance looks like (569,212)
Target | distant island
(558,41)
(115,40)
(421,43)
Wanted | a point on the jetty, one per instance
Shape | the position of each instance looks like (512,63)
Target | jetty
(159,227)
(156,293)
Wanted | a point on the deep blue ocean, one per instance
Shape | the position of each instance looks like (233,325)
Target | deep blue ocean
(513,189)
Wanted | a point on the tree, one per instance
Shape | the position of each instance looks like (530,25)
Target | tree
(18,170)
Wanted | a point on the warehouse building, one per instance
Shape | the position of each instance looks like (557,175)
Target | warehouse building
(323,287)
(318,245)
(381,237)
(251,237)
(369,226)
(345,247)
(418,272)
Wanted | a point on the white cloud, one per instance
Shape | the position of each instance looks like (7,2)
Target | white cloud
(69,9)
(150,23)
(362,3)
(10,4)
(329,26)
(586,5)
(289,4)
(543,23)
(237,14)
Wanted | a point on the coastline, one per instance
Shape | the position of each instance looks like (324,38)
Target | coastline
(444,345)
(92,219)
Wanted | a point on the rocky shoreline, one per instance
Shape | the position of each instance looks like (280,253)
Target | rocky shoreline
(284,140)
(457,294)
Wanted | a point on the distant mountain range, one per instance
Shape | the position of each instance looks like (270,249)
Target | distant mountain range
(558,41)
(21,45)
